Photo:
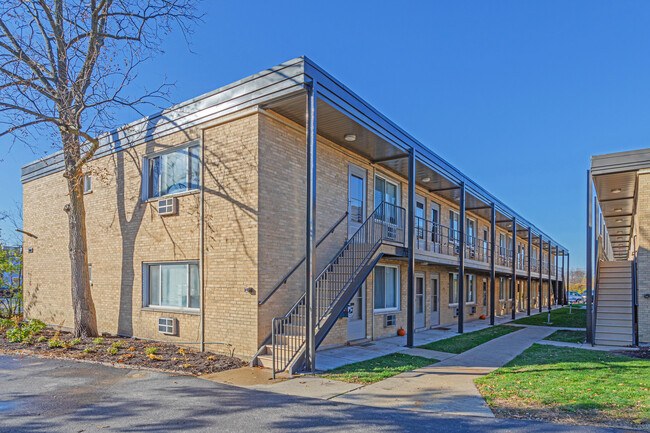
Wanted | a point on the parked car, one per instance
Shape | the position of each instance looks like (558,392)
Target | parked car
(584,296)
(574,297)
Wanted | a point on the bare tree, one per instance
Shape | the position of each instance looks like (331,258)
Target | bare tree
(65,67)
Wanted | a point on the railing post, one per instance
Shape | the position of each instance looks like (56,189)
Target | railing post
(529,261)
(513,285)
(557,286)
(461,259)
(549,274)
(310,265)
(493,238)
(589,254)
(540,288)
(411,251)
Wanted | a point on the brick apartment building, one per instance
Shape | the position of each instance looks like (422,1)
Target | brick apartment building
(618,248)
(217,252)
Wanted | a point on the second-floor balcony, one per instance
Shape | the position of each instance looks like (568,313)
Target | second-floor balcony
(436,241)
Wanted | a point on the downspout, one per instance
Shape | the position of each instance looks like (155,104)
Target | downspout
(201,242)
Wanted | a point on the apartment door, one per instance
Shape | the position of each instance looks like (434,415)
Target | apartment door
(485,296)
(420,223)
(419,320)
(435,228)
(435,300)
(470,229)
(357,315)
(356,198)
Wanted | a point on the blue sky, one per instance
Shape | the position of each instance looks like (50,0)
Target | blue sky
(515,94)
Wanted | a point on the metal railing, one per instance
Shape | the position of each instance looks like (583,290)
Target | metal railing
(385,224)
(635,296)
(286,277)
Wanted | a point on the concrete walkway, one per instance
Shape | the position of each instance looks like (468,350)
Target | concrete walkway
(327,359)
(447,386)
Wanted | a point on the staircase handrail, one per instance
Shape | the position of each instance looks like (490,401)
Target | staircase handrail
(286,277)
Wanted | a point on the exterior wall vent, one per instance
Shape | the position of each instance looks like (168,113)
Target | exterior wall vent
(456,312)
(167,325)
(167,206)
(472,310)
(390,320)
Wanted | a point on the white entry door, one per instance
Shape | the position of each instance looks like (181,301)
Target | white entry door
(435,301)
(356,198)
(419,302)
(357,315)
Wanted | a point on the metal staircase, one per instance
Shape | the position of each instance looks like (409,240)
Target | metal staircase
(614,304)
(381,233)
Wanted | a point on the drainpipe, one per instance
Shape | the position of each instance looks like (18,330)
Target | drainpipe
(201,241)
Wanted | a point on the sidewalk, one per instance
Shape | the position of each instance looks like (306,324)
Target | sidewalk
(327,359)
(447,386)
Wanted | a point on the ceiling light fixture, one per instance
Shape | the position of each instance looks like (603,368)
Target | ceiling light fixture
(619,220)
(426,180)
(350,137)
(618,209)
(615,190)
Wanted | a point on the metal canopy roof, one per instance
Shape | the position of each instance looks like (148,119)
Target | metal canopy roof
(340,111)
(615,181)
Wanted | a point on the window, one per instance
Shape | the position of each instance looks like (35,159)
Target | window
(470,282)
(502,289)
(502,244)
(90,274)
(88,183)
(357,194)
(173,285)
(420,222)
(470,235)
(453,289)
(173,172)
(435,221)
(386,288)
(385,190)
(453,226)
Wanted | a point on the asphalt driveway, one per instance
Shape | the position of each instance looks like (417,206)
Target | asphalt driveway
(68,396)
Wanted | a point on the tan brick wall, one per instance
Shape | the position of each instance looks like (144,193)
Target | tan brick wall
(124,232)
(642,221)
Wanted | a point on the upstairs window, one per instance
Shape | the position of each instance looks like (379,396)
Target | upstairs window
(173,172)
(88,183)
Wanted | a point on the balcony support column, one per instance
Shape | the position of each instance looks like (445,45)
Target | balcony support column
(529,261)
(567,283)
(549,275)
(513,285)
(540,297)
(310,239)
(461,259)
(557,276)
(590,199)
(493,238)
(411,249)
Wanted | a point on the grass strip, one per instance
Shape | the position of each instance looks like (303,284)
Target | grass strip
(463,342)
(376,369)
(559,318)
(568,384)
(568,336)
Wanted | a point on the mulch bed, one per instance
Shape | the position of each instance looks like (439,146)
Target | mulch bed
(167,357)
(642,353)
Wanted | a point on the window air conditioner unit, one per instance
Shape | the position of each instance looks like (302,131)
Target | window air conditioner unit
(167,325)
(456,312)
(472,310)
(390,320)
(167,206)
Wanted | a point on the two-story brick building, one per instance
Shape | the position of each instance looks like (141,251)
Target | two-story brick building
(198,215)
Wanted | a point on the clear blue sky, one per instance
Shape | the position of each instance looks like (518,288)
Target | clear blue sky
(515,94)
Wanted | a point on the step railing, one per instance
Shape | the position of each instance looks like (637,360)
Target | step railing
(286,277)
(635,296)
(385,224)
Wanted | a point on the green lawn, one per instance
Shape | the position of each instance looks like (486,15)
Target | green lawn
(559,318)
(464,342)
(568,336)
(574,385)
(376,369)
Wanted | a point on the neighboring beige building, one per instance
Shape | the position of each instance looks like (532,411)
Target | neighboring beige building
(622,258)
(209,246)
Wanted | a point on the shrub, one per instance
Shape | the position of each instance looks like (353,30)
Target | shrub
(25,332)
(75,341)
(89,350)
(55,343)
(7,323)
(112,350)
(118,344)
(41,339)
(98,341)
(151,350)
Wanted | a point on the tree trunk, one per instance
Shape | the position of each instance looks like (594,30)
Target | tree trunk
(85,321)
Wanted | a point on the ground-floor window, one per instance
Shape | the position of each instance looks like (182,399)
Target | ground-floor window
(453,289)
(386,290)
(502,289)
(470,281)
(171,284)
